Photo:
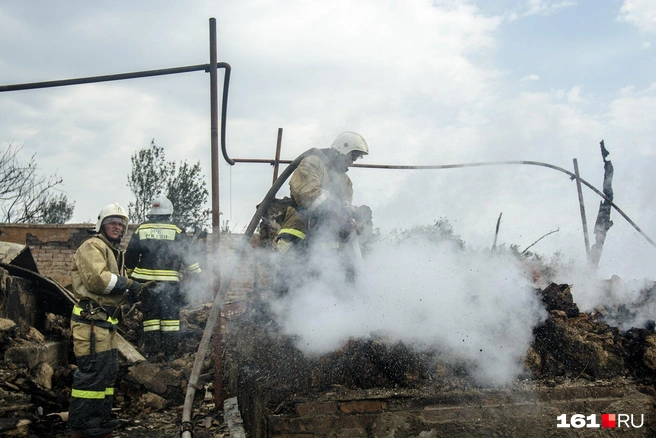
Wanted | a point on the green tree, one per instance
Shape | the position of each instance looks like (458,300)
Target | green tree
(27,196)
(148,178)
(57,211)
(152,176)
(186,190)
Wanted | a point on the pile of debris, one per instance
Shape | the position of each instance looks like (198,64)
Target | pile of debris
(270,376)
(273,380)
(36,373)
(579,345)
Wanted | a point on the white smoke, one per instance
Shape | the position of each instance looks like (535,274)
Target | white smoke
(475,307)
(626,303)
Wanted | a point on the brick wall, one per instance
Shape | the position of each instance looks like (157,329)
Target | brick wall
(529,411)
(53,247)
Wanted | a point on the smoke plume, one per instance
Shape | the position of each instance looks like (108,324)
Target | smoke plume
(476,307)
(623,303)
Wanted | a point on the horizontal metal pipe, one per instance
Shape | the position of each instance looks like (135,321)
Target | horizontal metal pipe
(260,161)
(114,77)
(487,163)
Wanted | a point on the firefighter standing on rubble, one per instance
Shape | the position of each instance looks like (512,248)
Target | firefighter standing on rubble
(159,253)
(321,215)
(101,286)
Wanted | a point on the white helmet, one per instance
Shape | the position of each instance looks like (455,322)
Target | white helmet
(348,141)
(161,206)
(113,209)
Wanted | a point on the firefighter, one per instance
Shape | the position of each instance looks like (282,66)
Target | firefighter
(101,286)
(321,214)
(159,253)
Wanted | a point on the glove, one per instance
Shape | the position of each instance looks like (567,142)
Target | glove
(133,292)
(340,220)
(332,215)
(346,226)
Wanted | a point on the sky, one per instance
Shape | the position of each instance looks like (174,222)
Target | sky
(424,82)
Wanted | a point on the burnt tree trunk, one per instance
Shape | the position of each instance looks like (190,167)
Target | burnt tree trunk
(603,223)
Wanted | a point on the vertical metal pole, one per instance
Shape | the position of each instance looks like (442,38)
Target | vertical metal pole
(582,208)
(214,133)
(216,215)
(276,163)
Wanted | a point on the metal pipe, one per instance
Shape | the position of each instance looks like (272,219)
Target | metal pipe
(489,163)
(532,163)
(216,212)
(276,162)
(214,133)
(224,110)
(148,73)
(260,161)
(168,71)
(215,312)
(584,221)
(106,78)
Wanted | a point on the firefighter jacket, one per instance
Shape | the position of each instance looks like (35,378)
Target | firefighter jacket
(159,251)
(98,272)
(317,181)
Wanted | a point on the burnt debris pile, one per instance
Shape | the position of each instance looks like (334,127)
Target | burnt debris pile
(36,373)
(583,345)
(266,370)
(568,344)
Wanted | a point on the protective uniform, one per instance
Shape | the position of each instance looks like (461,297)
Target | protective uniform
(159,252)
(315,184)
(322,193)
(101,286)
(321,211)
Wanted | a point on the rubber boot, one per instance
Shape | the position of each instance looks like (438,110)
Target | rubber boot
(170,345)
(94,432)
(152,344)
(111,424)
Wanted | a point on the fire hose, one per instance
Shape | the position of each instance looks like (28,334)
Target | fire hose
(186,428)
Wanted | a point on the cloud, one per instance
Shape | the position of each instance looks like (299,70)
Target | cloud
(574,95)
(538,7)
(639,13)
(552,127)
(546,7)
(424,82)
(635,109)
(532,77)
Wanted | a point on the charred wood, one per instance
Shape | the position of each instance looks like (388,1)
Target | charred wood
(603,223)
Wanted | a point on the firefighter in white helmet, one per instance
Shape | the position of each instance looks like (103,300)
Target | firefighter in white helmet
(101,286)
(159,253)
(322,195)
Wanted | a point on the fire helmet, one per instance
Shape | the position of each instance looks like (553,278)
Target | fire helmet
(161,206)
(113,209)
(348,141)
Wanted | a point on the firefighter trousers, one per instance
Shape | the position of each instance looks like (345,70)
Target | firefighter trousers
(92,394)
(161,318)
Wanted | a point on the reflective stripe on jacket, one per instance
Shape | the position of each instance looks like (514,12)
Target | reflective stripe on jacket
(159,251)
(314,180)
(98,272)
